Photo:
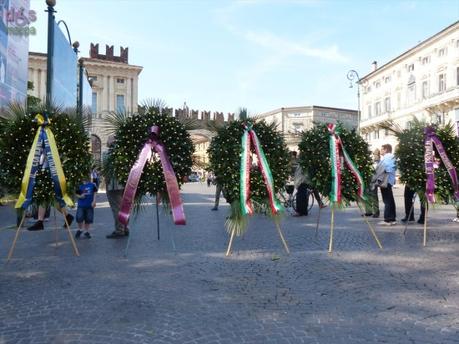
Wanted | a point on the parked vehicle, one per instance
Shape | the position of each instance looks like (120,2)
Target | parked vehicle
(193,178)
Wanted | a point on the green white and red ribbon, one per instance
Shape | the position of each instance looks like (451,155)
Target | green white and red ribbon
(248,138)
(336,146)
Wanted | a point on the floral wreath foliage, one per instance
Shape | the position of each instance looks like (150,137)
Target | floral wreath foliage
(315,160)
(410,155)
(225,160)
(131,135)
(17,135)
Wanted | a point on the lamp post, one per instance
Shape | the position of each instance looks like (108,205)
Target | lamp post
(49,62)
(354,78)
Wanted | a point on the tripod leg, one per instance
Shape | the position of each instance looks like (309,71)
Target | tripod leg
(75,248)
(425,225)
(410,213)
(332,224)
(372,231)
(318,221)
(157,216)
(228,251)
(10,254)
(281,236)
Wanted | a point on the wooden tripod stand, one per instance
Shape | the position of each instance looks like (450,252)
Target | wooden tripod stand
(18,230)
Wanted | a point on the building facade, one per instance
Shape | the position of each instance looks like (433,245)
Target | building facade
(423,82)
(292,121)
(114,87)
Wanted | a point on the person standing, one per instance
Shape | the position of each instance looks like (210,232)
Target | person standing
(372,207)
(86,194)
(218,192)
(388,164)
(408,196)
(302,193)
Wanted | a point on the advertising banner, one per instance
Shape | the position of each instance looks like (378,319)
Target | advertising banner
(65,71)
(15,17)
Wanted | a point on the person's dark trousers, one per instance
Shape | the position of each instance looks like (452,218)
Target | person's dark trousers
(317,196)
(408,195)
(389,204)
(302,200)
(218,192)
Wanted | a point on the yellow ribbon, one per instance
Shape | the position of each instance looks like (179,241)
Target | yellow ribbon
(57,163)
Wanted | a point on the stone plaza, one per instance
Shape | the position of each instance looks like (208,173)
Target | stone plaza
(183,289)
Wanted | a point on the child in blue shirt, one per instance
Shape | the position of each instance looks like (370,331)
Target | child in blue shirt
(86,194)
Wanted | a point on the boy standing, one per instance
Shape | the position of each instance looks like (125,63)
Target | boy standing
(86,194)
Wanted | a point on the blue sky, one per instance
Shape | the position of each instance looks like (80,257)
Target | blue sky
(223,55)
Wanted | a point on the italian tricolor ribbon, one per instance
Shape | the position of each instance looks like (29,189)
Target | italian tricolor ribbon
(336,146)
(153,143)
(43,144)
(431,138)
(248,138)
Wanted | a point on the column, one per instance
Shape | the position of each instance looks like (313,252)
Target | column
(102,106)
(113,93)
(42,86)
(128,95)
(134,94)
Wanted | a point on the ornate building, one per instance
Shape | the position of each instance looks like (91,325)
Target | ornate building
(423,82)
(114,86)
(292,121)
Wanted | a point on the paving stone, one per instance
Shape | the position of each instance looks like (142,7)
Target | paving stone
(182,288)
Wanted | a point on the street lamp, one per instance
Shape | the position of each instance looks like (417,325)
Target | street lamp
(354,78)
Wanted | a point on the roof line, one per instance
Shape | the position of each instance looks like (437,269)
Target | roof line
(411,50)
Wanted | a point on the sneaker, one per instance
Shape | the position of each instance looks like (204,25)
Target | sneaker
(69,218)
(78,234)
(456,219)
(87,235)
(375,216)
(322,206)
(405,220)
(387,223)
(367,214)
(117,235)
(37,226)
(421,221)
(214,208)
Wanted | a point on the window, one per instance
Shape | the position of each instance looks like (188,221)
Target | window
(387,79)
(120,81)
(457,75)
(387,104)
(411,96)
(426,60)
(399,100)
(94,102)
(376,134)
(442,52)
(369,111)
(411,67)
(120,103)
(425,89)
(377,84)
(441,82)
(386,132)
(377,108)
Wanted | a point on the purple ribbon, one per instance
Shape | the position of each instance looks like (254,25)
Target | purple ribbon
(153,143)
(429,140)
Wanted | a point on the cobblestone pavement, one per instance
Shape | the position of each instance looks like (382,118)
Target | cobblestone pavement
(182,289)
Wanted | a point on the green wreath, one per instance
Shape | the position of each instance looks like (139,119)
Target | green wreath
(17,135)
(410,155)
(225,160)
(131,133)
(315,161)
